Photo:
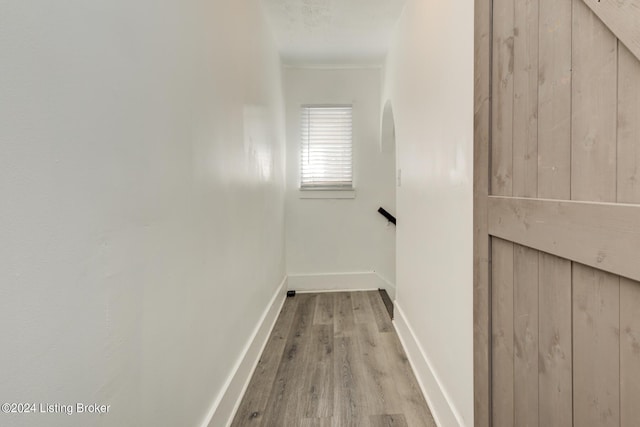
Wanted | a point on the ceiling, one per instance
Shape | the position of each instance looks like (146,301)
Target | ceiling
(333,32)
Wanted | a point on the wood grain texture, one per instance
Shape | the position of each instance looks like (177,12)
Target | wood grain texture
(380,313)
(325,375)
(525,336)
(251,409)
(502,337)
(594,99)
(622,18)
(317,395)
(362,311)
(554,100)
(344,320)
(382,396)
(285,398)
(481,242)
(415,407)
(603,235)
(628,127)
(629,353)
(502,98)
(525,98)
(555,363)
(396,420)
(596,347)
(324,309)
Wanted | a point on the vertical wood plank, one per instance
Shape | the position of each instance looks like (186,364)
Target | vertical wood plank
(502,101)
(628,126)
(594,99)
(525,332)
(554,103)
(502,336)
(629,192)
(629,353)
(481,240)
(555,386)
(525,99)
(555,365)
(596,347)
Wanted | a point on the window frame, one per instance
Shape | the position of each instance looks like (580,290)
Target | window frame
(338,191)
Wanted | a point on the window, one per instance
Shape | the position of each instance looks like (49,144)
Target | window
(326,149)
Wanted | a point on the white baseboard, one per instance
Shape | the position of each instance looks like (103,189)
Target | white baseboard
(226,404)
(442,408)
(336,282)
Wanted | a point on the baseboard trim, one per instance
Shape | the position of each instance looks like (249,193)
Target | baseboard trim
(337,282)
(226,404)
(442,408)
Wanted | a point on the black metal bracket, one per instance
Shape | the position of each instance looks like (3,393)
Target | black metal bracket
(387,215)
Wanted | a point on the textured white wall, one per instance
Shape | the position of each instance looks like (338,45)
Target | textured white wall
(142,203)
(429,79)
(340,236)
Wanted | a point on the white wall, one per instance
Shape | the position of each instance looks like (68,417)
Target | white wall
(429,80)
(142,203)
(327,236)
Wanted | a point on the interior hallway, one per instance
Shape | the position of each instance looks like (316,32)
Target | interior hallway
(334,359)
(151,212)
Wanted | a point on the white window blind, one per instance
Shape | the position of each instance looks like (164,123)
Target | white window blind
(326,148)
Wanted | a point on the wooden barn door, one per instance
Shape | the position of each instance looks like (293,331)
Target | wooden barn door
(557,213)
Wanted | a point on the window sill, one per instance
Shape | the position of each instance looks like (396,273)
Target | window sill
(326,194)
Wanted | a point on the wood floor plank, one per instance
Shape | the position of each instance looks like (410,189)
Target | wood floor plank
(381,394)
(318,389)
(416,411)
(284,404)
(395,420)
(317,422)
(362,311)
(325,309)
(380,313)
(348,403)
(341,374)
(344,321)
(254,402)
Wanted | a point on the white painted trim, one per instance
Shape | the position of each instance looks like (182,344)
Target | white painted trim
(227,402)
(326,194)
(336,290)
(388,286)
(336,282)
(444,411)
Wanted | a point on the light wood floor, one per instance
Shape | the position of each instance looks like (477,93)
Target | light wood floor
(333,360)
